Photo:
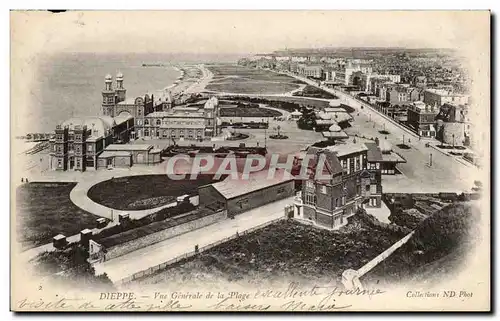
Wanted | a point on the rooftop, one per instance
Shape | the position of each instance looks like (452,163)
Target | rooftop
(373,154)
(100,126)
(128,101)
(444,92)
(346,149)
(128,147)
(333,165)
(176,114)
(231,188)
(107,154)
(393,158)
(123,117)
(339,134)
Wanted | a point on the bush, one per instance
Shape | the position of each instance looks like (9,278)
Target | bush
(71,267)
(445,234)
(161,215)
(237,136)
(280,136)
(311,91)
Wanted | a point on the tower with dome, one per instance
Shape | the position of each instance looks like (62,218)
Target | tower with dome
(112,96)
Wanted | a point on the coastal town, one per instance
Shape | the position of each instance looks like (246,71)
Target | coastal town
(372,150)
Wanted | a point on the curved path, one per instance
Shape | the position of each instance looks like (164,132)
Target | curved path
(79,194)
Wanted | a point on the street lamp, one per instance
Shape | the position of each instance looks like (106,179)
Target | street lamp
(453,136)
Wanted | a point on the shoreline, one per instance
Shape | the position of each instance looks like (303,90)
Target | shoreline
(186,84)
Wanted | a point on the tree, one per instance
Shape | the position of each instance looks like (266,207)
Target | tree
(70,266)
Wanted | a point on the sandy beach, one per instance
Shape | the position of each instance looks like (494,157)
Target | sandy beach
(193,79)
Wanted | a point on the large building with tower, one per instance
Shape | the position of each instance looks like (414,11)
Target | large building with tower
(184,123)
(80,141)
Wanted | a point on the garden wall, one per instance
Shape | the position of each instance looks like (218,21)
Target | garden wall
(127,247)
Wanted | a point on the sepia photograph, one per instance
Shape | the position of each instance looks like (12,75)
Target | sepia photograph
(250,161)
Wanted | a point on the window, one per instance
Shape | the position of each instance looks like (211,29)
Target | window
(146,122)
(139,122)
(373,188)
(146,132)
(181,133)
(337,202)
(242,203)
(165,133)
(77,162)
(190,133)
(281,190)
(89,148)
(367,188)
(343,200)
(172,133)
(78,137)
(310,184)
(199,133)
(322,189)
(357,166)
(310,199)
(59,163)
(158,122)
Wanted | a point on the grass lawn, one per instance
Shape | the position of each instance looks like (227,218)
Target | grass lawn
(45,210)
(135,192)
(248,112)
(239,79)
(286,247)
(253,87)
(222,71)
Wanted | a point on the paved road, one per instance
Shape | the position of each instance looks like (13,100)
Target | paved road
(140,260)
(80,198)
(445,175)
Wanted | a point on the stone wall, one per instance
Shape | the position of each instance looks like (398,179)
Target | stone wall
(124,248)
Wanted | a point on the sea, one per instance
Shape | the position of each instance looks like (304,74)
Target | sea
(69,84)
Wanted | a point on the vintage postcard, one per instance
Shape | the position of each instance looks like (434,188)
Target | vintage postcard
(250,161)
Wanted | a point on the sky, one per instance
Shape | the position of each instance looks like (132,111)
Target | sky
(229,32)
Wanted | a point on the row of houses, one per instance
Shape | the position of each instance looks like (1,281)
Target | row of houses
(431,113)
